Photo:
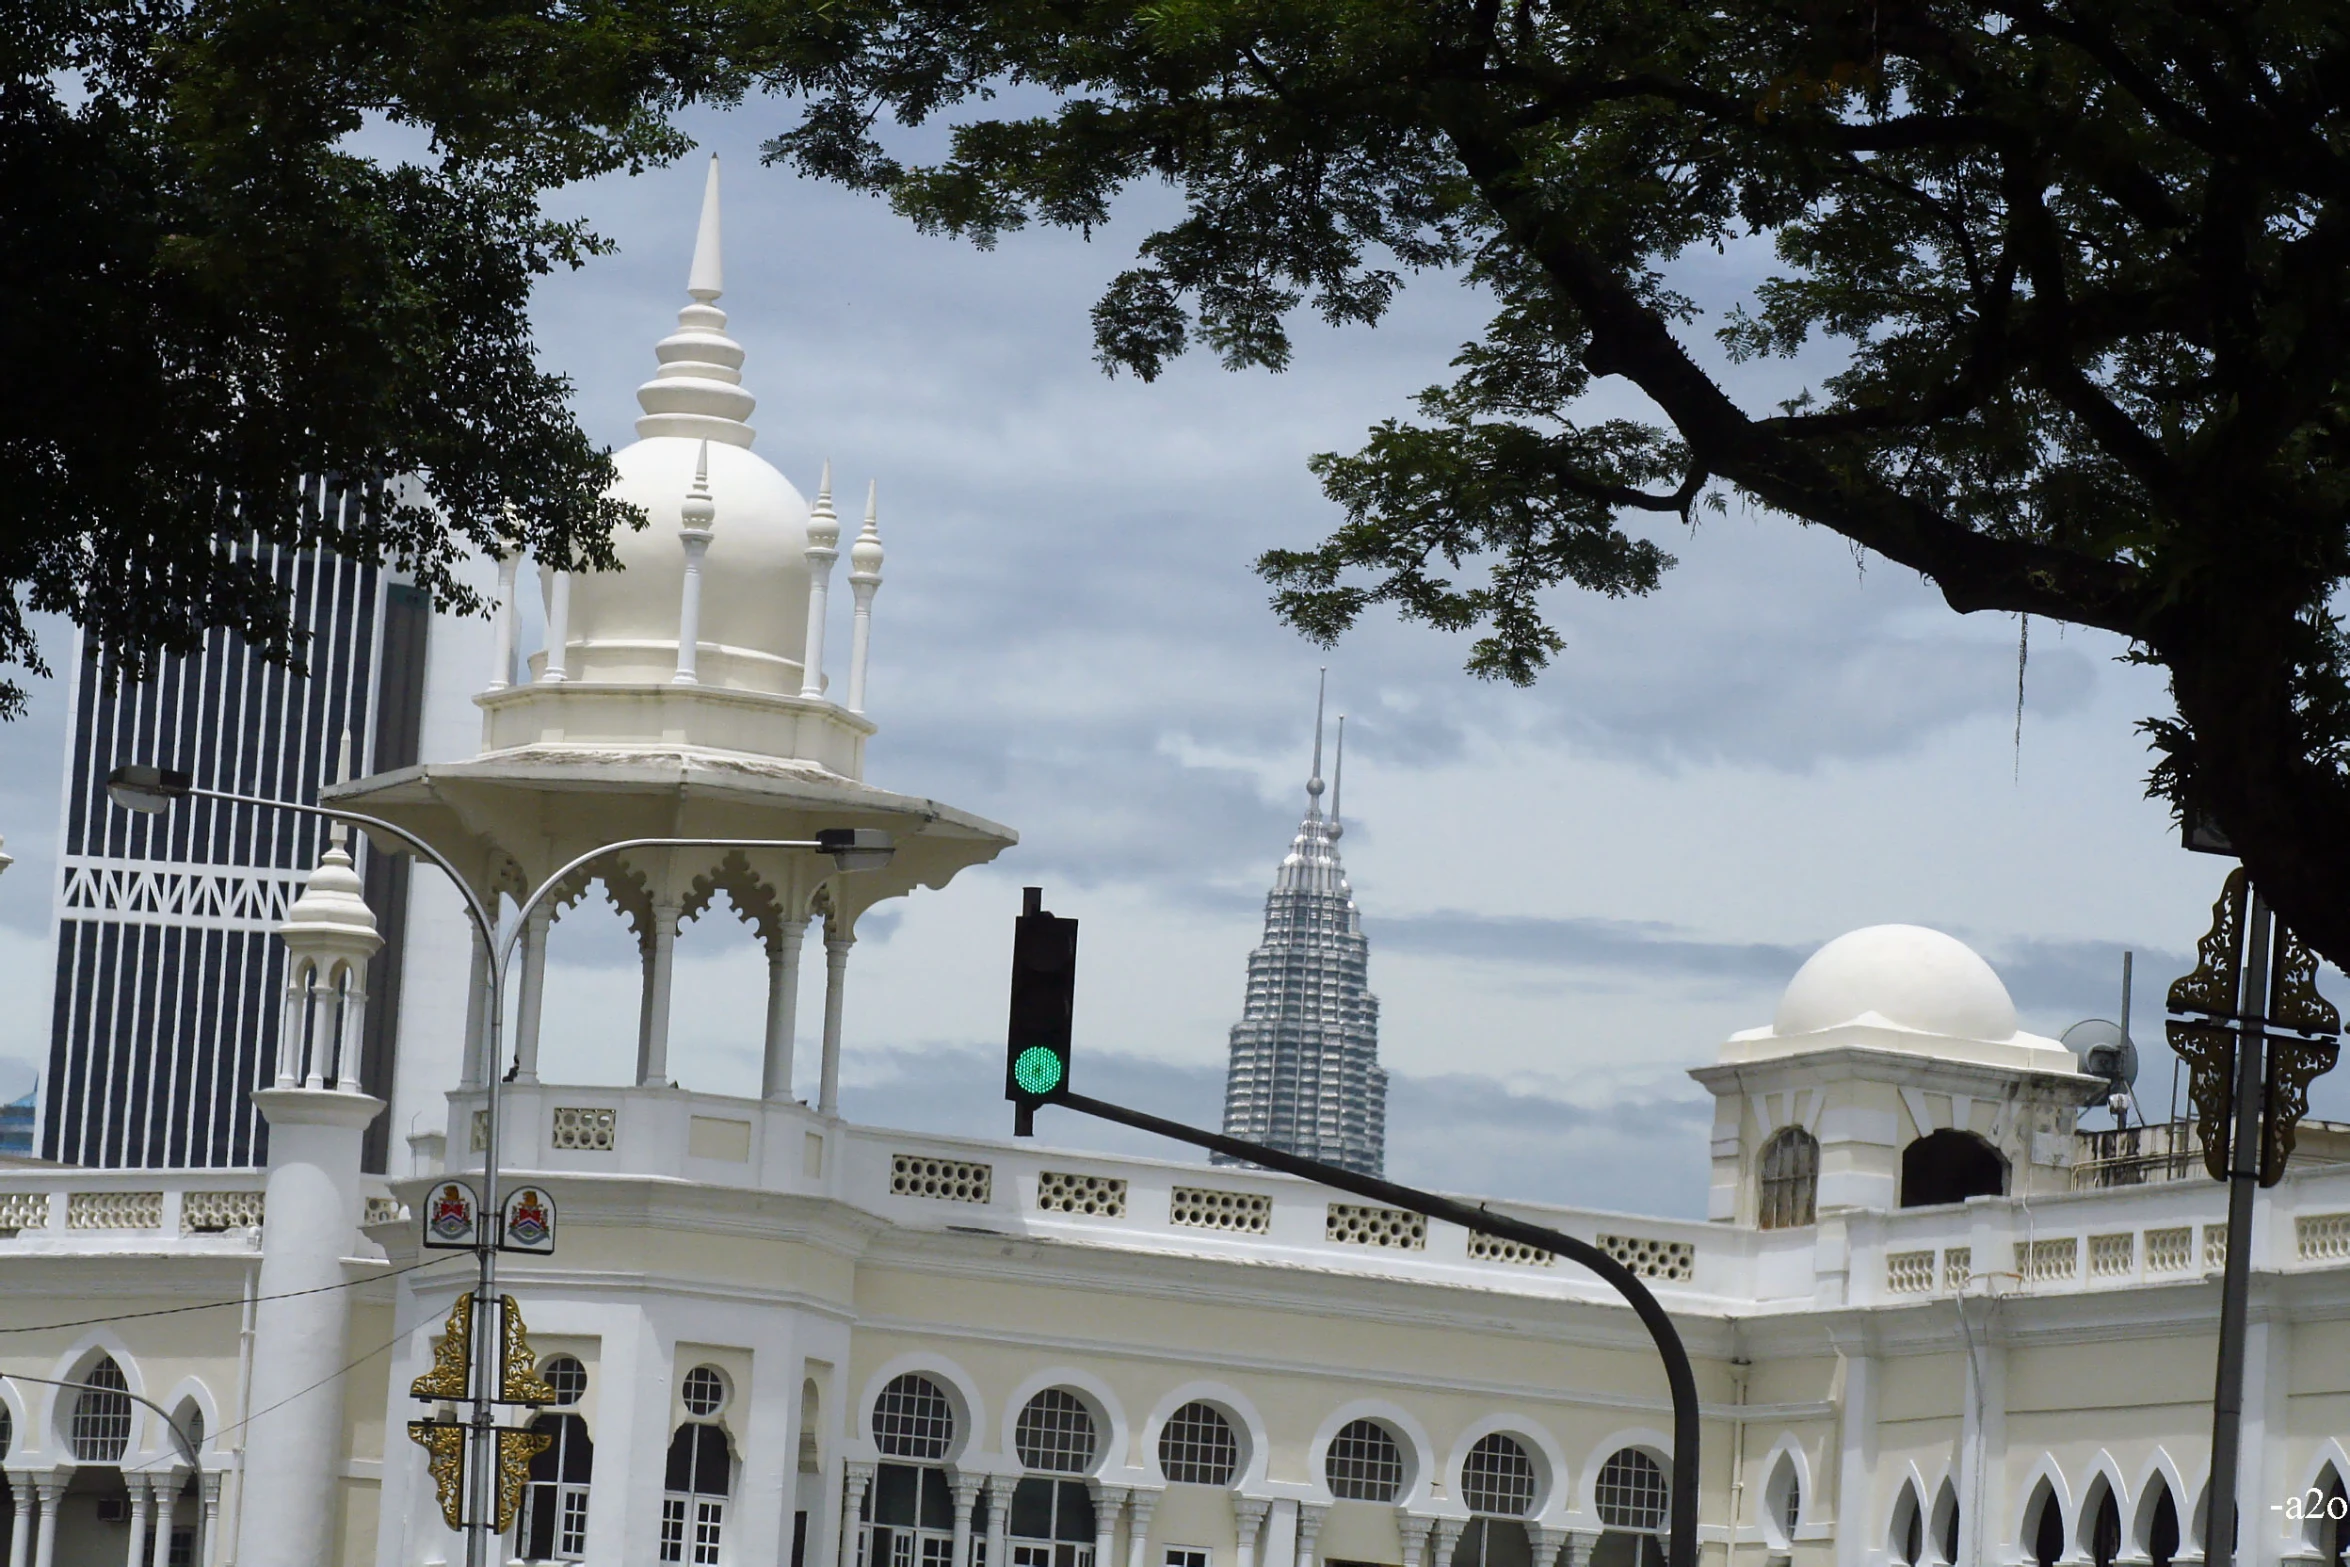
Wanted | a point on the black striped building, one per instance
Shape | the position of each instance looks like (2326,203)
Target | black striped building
(168,974)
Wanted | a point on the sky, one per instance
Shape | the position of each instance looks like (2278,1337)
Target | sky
(1573,893)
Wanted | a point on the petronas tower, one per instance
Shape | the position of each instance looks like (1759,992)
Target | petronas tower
(1305,1074)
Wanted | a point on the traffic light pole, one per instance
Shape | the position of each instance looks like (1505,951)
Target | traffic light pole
(1681,1548)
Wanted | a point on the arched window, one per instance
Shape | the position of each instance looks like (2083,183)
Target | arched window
(1633,1501)
(2047,1529)
(1364,1463)
(693,1506)
(909,1513)
(2105,1531)
(1946,1521)
(1950,1166)
(1908,1541)
(7,1430)
(102,1415)
(1197,1447)
(2162,1525)
(912,1419)
(1790,1179)
(1497,1485)
(2328,1526)
(552,1526)
(1055,1433)
(1783,1497)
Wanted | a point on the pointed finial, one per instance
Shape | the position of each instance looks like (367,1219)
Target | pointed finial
(1338,782)
(337,834)
(699,510)
(1314,783)
(823,521)
(707,279)
(865,554)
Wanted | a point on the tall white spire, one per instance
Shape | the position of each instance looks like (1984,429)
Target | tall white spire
(864,581)
(1338,783)
(698,391)
(1314,780)
(823,537)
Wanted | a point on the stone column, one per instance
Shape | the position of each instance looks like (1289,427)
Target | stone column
(208,1526)
(1108,1502)
(167,1490)
(653,1053)
(20,1538)
(1248,1517)
(836,970)
(1140,1504)
(534,989)
(1546,1541)
(856,1480)
(558,626)
(310,1219)
(52,1491)
(783,1008)
(502,672)
(1448,1539)
(141,1497)
(1577,1551)
(477,1013)
(1309,1526)
(1982,1440)
(698,513)
(1858,1461)
(999,1519)
(965,1487)
(1412,1529)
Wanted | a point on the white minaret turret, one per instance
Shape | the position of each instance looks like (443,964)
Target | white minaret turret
(864,582)
(317,1115)
(823,550)
(695,532)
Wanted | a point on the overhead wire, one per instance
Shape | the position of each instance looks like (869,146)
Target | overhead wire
(215,1305)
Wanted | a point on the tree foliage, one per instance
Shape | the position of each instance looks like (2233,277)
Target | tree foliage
(2084,265)
(210,289)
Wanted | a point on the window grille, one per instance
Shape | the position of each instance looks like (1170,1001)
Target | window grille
(1489,1248)
(1673,1261)
(1631,1492)
(1202,1209)
(593,1128)
(704,1391)
(1498,1477)
(2170,1250)
(912,1419)
(7,1430)
(1791,1506)
(567,1377)
(1790,1179)
(1186,1556)
(1355,1224)
(1364,1463)
(102,1415)
(946,1180)
(1909,1272)
(1102,1195)
(1197,1447)
(1055,1433)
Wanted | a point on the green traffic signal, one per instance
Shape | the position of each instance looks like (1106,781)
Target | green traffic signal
(1039,1070)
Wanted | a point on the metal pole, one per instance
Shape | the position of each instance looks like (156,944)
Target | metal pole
(1681,1550)
(2244,1146)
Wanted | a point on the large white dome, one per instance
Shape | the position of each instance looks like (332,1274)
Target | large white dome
(754,581)
(1908,976)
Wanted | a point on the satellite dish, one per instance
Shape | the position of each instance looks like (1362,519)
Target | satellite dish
(2105,1053)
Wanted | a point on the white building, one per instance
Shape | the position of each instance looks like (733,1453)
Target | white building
(780,1338)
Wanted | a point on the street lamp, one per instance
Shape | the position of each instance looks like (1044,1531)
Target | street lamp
(149,789)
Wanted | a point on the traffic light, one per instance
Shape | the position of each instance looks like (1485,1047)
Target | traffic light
(1044,995)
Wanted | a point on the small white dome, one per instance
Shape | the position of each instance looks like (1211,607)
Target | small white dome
(1907,975)
(754,581)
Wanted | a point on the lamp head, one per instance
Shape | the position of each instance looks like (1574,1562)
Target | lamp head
(856,848)
(139,787)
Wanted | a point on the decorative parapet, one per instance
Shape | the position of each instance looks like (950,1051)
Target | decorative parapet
(1359,1224)
(2047,1261)
(1490,1248)
(586,1128)
(1202,1208)
(1059,1191)
(2112,1256)
(2323,1237)
(114,1211)
(23,1211)
(210,1213)
(1909,1272)
(1673,1261)
(944,1180)
(2170,1249)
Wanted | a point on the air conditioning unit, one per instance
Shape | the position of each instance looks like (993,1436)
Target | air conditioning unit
(114,1509)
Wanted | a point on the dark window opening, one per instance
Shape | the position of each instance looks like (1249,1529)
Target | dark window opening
(1950,1166)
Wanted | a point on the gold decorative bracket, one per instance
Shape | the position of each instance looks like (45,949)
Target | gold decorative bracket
(451,1376)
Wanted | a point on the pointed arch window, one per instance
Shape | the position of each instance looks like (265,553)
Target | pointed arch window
(2105,1532)
(2162,1526)
(1790,1180)
(102,1415)
(1909,1529)
(2047,1528)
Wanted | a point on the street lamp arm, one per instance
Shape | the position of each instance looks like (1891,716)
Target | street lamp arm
(179,1438)
(473,904)
(1681,1550)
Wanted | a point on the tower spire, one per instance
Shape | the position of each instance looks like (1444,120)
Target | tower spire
(698,391)
(1314,782)
(1338,783)
(707,279)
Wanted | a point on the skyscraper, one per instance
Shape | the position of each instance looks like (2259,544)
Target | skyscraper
(168,974)
(1305,1075)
